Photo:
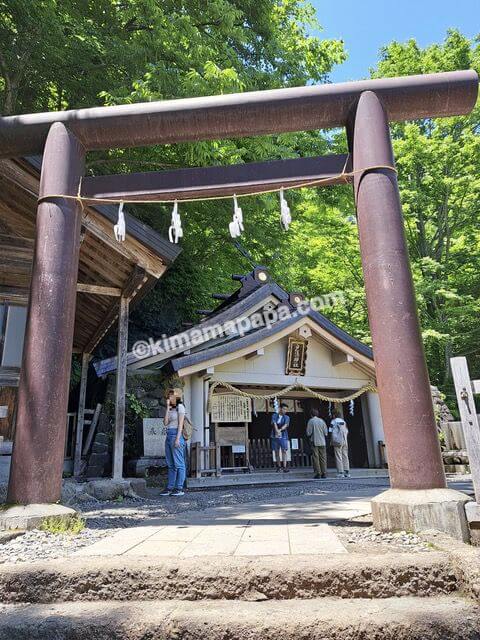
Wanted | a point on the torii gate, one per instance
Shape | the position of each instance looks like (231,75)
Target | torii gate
(365,108)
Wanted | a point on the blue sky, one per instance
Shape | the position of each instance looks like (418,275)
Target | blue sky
(367,25)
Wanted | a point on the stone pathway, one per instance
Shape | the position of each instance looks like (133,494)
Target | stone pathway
(268,528)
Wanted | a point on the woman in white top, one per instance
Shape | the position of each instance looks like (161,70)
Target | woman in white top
(175,447)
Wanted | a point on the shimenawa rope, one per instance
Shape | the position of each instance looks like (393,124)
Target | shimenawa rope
(296,385)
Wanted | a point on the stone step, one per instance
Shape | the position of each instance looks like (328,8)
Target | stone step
(273,578)
(409,618)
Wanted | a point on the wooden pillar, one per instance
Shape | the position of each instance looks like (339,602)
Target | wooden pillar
(77,458)
(121,388)
(468,415)
(39,445)
(404,390)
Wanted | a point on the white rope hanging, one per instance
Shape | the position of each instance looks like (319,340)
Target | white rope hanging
(175,230)
(276,405)
(236,226)
(120,228)
(285,215)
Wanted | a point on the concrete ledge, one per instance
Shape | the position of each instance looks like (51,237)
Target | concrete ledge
(32,515)
(472,511)
(228,578)
(439,618)
(419,510)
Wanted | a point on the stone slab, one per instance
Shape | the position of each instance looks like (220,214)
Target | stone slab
(271,477)
(32,515)
(407,618)
(132,577)
(250,539)
(102,489)
(420,510)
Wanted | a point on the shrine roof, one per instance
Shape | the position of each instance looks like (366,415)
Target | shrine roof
(202,342)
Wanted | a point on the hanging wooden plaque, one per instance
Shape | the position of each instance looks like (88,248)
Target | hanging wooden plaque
(228,407)
(296,357)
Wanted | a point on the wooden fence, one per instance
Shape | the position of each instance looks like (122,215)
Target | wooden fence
(261,454)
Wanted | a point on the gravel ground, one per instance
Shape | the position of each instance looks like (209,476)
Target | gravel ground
(359,536)
(103,519)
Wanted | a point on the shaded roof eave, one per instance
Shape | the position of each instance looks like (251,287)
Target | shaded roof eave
(144,234)
(224,315)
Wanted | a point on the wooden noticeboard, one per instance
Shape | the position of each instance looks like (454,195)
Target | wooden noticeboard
(228,407)
(296,357)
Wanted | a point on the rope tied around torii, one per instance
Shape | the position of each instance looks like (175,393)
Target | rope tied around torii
(236,226)
(344,175)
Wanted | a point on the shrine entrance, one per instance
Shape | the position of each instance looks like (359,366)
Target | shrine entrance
(365,109)
(300,450)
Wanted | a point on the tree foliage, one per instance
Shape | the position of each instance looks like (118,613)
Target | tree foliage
(439,181)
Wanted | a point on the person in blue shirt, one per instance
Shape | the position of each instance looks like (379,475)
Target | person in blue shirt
(279,437)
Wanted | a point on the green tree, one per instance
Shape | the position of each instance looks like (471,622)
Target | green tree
(440,186)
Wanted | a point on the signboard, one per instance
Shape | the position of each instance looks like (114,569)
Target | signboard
(3,411)
(296,357)
(238,448)
(228,407)
(154,432)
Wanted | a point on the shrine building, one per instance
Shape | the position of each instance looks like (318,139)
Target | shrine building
(261,340)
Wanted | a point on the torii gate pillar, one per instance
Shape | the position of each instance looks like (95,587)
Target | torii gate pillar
(419,497)
(38,451)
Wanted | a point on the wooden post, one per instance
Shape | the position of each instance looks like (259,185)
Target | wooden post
(468,414)
(122,350)
(77,458)
(91,431)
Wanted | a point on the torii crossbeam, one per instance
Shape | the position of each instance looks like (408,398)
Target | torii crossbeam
(365,108)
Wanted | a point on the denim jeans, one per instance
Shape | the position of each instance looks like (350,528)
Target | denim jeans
(175,460)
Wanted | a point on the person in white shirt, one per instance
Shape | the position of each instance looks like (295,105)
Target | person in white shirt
(339,439)
(175,446)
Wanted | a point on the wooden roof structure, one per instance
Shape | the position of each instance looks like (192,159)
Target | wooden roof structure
(107,269)
(256,293)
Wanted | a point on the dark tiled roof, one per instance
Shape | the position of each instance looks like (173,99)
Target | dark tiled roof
(237,305)
(265,332)
(138,230)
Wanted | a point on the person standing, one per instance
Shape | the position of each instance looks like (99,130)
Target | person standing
(317,431)
(279,437)
(175,446)
(339,439)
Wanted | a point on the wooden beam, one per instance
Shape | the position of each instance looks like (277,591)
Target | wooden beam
(91,431)
(104,326)
(255,354)
(209,371)
(77,457)
(200,182)
(339,357)
(14,294)
(121,388)
(98,290)
(468,414)
(137,278)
